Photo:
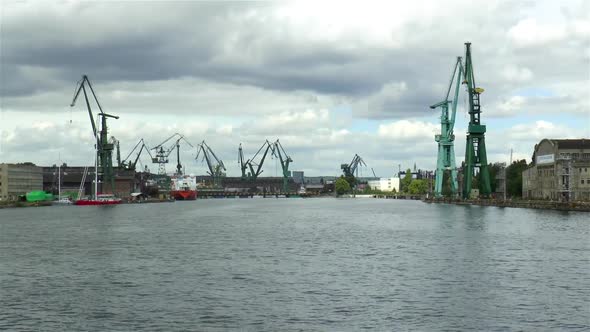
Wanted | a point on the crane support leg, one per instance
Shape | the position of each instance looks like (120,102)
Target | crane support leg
(454,183)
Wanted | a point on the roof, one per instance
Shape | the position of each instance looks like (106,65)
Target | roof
(572,143)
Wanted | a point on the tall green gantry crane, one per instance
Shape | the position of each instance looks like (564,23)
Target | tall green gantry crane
(475,150)
(285,160)
(104,147)
(446,139)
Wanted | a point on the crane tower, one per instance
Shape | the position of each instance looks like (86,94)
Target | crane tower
(446,138)
(475,150)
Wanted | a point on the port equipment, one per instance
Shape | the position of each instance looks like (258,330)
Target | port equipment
(285,160)
(243,165)
(446,138)
(163,153)
(475,150)
(351,168)
(255,163)
(215,165)
(130,164)
(104,147)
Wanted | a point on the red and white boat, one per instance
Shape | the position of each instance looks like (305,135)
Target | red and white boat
(101,199)
(183,187)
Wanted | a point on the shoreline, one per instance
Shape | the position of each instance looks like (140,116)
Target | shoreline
(523,204)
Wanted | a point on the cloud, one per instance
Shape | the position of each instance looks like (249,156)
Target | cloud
(528,32)
(328,79)
(407,130)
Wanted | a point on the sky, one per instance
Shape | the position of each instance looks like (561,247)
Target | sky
(329,79)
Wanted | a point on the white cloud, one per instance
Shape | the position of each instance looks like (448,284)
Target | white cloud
(516,74)
(245,72)
(408,130)
(528,32)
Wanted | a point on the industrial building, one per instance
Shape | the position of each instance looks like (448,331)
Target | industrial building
(385,184)
(560,171)
(125,181)
(18,179)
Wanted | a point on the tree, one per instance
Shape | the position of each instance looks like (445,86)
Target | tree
(341,186)
(418,187)
(514,178)
(351,180)
(406,181)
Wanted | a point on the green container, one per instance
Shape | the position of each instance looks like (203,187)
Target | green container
(38,195)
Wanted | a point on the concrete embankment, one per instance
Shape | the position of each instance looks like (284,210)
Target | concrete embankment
(527,204)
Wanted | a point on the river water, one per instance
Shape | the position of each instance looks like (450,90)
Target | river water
(293,265)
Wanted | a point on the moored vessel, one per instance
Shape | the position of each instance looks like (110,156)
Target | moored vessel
(101,199)
(183,187)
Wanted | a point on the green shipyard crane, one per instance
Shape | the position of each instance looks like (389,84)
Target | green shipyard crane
(446,138)
(350,170)
(253,163)
(130,164)
(285,160)
(162,153)
(475,150)
(104,147)
(215,165)
(243,165)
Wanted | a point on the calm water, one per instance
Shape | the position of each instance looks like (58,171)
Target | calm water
(293,264)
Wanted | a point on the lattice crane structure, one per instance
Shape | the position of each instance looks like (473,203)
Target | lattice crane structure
(446,138)
(104,147)
(216,167)
(475,150)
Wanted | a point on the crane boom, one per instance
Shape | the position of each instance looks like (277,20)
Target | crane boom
(446,147)
(162,154)
(243,165)
(217,169)
(104,148)
(252,164)
(142,147)
(285,160)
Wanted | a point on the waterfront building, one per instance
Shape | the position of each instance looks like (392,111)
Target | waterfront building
(385,184)
(126,181)
(560,171)
(18,179)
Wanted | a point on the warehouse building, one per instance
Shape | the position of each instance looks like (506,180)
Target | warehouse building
(560,171)
(18,179)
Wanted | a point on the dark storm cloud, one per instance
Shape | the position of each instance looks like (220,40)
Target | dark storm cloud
(215,44)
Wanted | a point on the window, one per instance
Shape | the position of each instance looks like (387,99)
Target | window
(582,181)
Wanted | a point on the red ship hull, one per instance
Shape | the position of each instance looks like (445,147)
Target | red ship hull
(184,195)
(95,202)
(110,201)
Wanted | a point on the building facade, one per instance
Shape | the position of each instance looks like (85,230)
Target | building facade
(385,184)
(18,179)
(560,171)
